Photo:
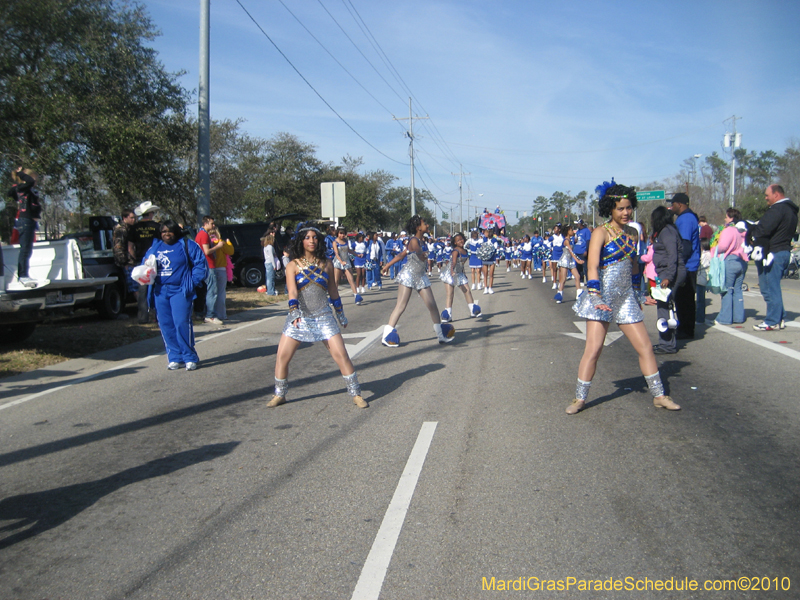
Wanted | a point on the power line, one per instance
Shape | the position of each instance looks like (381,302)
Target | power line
(286,58)
(359,50)
(334,58)
(382,54)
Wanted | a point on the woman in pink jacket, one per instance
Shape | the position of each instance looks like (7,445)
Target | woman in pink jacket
(731,248)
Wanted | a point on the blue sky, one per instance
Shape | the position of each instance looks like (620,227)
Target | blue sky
(529,96)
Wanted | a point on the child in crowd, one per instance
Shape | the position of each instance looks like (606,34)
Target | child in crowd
(702,280)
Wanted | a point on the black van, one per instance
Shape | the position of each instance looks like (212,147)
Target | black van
(248,254)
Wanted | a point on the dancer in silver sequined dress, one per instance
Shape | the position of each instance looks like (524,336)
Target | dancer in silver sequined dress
(341,261)
(413,277)
(568,262)
(315,313)
(453,275)
(612,269)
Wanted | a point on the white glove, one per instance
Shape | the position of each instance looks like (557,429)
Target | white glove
(748,249)
(757,253)
(768,261)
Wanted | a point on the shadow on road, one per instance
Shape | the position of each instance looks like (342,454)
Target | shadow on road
(38,512)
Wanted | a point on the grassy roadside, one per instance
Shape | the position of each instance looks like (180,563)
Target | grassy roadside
(84,333)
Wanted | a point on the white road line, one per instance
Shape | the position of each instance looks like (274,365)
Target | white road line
(361,347)
(374,571)
(123,366)
(758,341)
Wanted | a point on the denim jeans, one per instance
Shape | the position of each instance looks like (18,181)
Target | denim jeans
(769,280)
(27,233)
(269,269)
(700,309)
(732,299)
(211,294)
(221,273)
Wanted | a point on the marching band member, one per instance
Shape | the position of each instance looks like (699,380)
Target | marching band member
(614,279)
(412,277)
(312,290)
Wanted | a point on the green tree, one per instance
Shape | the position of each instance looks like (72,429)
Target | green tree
(788,170)
(397,204)
(561,203)
(289,179)
(541,206)
(85,102)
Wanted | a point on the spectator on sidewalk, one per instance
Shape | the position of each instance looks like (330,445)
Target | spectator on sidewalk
(221,271)
(209,248)
(730,248)
(772,249)
(686,295)
(125,250)
(147,230)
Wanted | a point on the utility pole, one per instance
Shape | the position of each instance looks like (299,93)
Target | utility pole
(732,141)
(460,195)
(410,136)
(204,118)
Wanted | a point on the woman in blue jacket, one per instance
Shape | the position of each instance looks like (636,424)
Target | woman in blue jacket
(181,267)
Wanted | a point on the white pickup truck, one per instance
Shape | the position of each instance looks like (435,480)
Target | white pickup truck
(64,285)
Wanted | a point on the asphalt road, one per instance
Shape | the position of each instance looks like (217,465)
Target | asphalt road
(120,479)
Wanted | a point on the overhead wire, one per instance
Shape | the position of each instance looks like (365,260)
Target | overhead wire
(353,77)
(308,83)
(359,50)
(382,54)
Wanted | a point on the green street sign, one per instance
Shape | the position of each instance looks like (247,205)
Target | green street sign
(650,195)
(445,215)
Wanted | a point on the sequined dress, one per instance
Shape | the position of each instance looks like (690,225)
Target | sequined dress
(455,277)
(317,320)
(413,274)
(615,285)
(344,252)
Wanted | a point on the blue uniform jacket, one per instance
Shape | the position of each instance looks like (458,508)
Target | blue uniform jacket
(192,278)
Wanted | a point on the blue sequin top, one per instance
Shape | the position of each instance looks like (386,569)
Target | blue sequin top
(311,274)
(619,248)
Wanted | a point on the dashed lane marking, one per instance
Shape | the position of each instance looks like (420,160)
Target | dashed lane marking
(373,573)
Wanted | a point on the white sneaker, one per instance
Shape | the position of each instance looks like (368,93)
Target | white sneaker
(485,290)
(473,286)
(212,321)
(580,291)
(508,269)
(190,366)
(480,286)
(544,279)
(555,285)
(174,366)
(491,291)
(529,276)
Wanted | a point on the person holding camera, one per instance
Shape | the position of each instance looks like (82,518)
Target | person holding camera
(29,211)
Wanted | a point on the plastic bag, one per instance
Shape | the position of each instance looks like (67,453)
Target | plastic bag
(659,293)
(145,274)
(716,274)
